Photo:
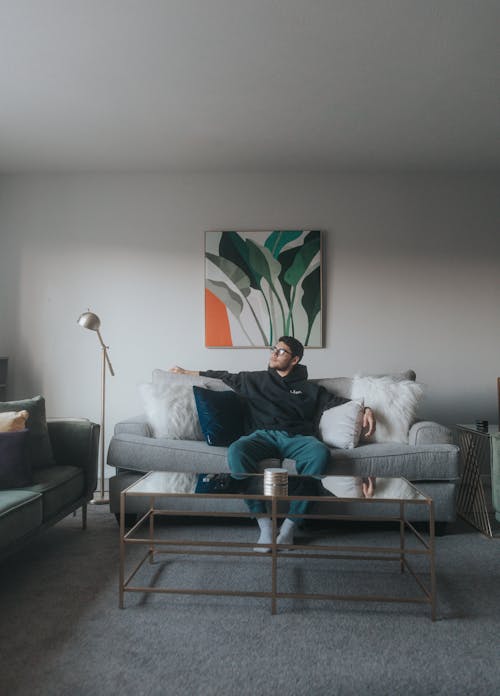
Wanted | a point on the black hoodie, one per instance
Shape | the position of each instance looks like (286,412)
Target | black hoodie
(291,403)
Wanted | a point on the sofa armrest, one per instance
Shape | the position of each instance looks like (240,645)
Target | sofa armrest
(75,441)
(138,425)
(429,433)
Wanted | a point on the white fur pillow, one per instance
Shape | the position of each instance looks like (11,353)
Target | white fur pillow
(340,426)
(171,411)
(394,403)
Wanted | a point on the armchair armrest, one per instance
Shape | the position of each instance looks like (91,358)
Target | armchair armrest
(429,433)
(75,441)
(137,425)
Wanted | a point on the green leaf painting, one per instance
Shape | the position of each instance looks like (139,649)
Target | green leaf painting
(279,238)
(262,285)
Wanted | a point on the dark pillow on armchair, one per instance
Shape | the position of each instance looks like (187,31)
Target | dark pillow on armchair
(39,447)
(15,467)
(221,415)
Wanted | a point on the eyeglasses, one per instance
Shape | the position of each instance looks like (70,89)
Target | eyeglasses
(279,351)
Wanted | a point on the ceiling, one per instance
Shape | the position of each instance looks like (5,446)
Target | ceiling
(249,85)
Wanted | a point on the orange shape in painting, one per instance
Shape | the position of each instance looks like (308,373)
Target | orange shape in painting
(217,329)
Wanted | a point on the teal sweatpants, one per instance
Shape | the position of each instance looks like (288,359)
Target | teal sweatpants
(310,455)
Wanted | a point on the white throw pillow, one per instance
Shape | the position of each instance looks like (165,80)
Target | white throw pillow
(13,420)
(171,411)
(394,403)
(340,426)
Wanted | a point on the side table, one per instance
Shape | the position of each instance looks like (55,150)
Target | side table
(477,474)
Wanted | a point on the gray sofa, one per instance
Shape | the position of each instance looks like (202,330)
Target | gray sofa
(57,490)
(428,458)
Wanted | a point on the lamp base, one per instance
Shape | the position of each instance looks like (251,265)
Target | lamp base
(99,501)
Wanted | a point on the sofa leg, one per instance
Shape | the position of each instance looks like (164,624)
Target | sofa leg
(84,516)
(440,528)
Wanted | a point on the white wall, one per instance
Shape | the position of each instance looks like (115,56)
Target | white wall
(411,262)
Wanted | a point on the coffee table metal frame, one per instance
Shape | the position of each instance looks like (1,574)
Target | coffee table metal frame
(400,553)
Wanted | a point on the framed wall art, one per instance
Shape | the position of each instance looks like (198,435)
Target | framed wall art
(260,285)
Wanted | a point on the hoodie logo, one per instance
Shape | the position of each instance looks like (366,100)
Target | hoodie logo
(295,391)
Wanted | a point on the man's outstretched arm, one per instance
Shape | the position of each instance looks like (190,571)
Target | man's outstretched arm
(182,371)
(232,380)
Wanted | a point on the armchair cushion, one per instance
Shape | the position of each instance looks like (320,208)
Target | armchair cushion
(60,486)
(15,467)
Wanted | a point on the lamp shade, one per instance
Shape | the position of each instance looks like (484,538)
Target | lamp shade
(89,320)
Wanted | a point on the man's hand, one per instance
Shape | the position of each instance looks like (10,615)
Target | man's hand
(369,424)
(182,371)
(368,487)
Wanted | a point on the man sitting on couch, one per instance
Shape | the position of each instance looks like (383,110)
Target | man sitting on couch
(285,409)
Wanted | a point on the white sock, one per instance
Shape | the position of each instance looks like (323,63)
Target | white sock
(266,534)
(287,532)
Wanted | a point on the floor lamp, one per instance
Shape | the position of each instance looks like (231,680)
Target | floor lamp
(498,392)
(91,321)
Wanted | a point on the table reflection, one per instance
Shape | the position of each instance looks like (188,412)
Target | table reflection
(370,487)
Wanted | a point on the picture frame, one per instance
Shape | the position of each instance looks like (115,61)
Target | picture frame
(263,284)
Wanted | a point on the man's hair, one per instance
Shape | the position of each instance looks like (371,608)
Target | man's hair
(295,346)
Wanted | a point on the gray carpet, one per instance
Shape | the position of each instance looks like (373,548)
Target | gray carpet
(63,633)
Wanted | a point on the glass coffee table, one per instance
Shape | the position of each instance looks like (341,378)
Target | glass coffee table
(378,500)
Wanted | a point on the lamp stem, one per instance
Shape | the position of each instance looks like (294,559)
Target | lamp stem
(105,359)
(105,349)
(498,390)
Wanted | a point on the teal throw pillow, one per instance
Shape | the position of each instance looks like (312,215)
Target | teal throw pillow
(39,447)
(15,468)
(221,415)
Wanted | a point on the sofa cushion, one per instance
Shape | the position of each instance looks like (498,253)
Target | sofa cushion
(15,466)
(421,463)
(220,414)
(136,453)
(394,403)
(39,447)
(60,486)
(20,514)
(341,426)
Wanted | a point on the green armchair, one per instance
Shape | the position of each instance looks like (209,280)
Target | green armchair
(57,490)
